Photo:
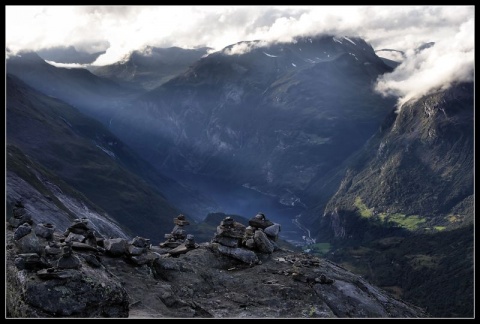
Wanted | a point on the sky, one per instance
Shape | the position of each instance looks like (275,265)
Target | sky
(119,30)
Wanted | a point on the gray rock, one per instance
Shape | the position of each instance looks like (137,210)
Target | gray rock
(66,293)
(244,255)
(83,246)
(262,243)
(92,261)
(19,216)
(210,280)
(170,244)
(140,242)
(260,221)
(52,273)
(140,259)
(227,241)
(29,261)
(250,243)
(22,230)
(190,241)
(72,237)
(53,248)
(134,250)
(273,231)
(45,230)
(115,246)
(182,248)
(29,244)
(68,262)
(79,227)
(235,230)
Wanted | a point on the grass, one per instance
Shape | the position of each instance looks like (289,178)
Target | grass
(318,248)
(409,222)
(362,208)
(454,218)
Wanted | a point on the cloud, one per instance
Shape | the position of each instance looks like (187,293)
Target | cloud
(243,47)
(393,55)
(67,65)
(434,68)
(118,30)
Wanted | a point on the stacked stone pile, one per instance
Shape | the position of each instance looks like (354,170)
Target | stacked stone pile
(177,241)
(235,240)
(55,271)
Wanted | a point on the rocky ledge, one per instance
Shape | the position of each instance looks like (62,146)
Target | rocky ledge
(240,273)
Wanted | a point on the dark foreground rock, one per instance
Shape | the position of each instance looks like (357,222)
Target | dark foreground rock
(203,282)
(38,286)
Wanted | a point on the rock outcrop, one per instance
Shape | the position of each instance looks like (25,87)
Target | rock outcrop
(77,274)
(50,274)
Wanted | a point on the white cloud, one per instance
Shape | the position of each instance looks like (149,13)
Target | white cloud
(67,65)
(121,29)
(392,55)
(243,47)
(435,68)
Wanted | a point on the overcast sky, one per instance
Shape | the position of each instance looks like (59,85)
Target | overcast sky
(121,29)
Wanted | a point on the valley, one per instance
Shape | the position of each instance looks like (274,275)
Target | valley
(239,200)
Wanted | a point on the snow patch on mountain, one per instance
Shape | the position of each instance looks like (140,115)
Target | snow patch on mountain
(348,39)
(269,55)
(337,40)
(108,152)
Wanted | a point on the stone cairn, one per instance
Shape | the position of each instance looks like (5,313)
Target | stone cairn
(54,254)
(42,248)
(19,215)
(236,240)
(177,240)
(81,235)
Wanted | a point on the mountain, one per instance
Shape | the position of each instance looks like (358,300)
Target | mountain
(420,164)
(94,96)
(150,67)
(409,194)
(391,63)
(68,54)
(66,175)
(272,118)
(84,154)
(49,199)
(386,193)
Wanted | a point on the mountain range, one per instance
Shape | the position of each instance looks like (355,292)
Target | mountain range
(86,155)
(150,67)
(387,193)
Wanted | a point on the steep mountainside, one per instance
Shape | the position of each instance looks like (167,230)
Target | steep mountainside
(419,165)
(89,158)
(48,199)
(404,205)
(150,67)
(273,118)
(93,95)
